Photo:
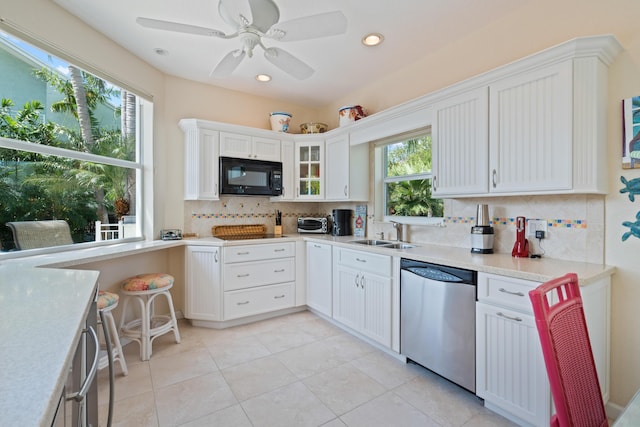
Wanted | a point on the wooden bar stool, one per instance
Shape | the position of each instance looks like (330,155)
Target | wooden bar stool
(144,288)
(107,301)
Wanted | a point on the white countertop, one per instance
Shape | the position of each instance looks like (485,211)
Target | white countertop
(43,311)
(538,270)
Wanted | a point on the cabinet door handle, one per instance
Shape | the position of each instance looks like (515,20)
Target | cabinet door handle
(361,260)
(434,183)
(242,253)
(518,294)
(494,174)
(278,296)
(345,190)
(215,256)
(242,303)
(84,388)
(243,275)
(362,281)
(501,314)
(357,280)
(279,271)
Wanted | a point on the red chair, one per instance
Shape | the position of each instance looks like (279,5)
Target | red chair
(567,354)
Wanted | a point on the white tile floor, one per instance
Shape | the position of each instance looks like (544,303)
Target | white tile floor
(296,370)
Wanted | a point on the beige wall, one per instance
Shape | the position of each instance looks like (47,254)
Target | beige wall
(536,25)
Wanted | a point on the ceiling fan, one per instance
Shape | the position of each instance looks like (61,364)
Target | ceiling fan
(262,23)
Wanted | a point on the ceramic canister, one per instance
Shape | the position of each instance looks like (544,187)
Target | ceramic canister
(350,114)
(280,121)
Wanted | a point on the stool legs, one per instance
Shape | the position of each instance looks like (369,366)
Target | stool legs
(149,326)
(110,328)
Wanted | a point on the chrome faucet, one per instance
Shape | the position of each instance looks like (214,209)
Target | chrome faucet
(399,229)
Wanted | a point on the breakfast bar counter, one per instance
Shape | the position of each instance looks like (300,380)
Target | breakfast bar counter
(43,313)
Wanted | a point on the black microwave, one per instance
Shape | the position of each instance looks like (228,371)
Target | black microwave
(248,177)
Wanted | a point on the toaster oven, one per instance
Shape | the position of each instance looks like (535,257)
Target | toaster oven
(313,225)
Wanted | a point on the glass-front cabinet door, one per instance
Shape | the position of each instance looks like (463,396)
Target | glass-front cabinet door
(310,170)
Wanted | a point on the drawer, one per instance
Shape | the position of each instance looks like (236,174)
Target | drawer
(258,300)
(365,261)
(250,274)
(258,252)
(505,291)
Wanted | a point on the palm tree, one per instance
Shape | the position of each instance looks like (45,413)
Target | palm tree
(82,93)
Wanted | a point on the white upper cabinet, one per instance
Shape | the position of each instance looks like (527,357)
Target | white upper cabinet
(460,150)
(201,150)
(287,149)
(249,147)
(309,170)
(530,131)
(542,129)
(347,168)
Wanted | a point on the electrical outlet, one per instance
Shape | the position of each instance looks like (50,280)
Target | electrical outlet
(537,225)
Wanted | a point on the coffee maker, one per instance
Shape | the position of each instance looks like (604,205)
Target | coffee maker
(341,222)
(482,232)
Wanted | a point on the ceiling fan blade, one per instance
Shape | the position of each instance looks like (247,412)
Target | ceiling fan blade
(288,63)
(180,28)
(228,64)
(310,27)
(264,14)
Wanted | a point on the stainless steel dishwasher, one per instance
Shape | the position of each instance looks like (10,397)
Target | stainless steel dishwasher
(438,319)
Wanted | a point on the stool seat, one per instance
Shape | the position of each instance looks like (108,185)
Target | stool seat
(147,282)
(143,289)
(107,301)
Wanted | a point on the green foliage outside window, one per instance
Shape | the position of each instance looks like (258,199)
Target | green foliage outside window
(407,180)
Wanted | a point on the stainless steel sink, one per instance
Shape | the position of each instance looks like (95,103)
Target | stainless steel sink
(383,244)
(399,246)
(372,242)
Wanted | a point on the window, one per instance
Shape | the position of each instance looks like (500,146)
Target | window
(69,147)
(405,179)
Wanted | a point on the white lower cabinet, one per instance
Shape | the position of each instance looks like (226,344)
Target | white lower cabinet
(258,279)
(511,375)
(202,288)
(319,278)
(510,368)
(362,291)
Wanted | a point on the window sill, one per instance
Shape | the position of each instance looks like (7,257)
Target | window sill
(416,220)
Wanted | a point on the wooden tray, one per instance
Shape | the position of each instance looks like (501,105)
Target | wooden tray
(238,230)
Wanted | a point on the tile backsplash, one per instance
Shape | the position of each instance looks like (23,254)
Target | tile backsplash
(575,222)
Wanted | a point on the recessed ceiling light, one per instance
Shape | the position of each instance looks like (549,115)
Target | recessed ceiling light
(160,51)
(263,78)
(373,39)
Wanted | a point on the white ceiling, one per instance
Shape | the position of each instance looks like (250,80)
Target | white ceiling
(412,28)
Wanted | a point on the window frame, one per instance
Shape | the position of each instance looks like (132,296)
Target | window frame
(381,180)
(144,138)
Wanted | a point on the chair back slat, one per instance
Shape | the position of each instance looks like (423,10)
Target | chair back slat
(567,354)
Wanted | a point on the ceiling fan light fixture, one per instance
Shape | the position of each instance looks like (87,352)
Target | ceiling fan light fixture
(263,78)
(372,39)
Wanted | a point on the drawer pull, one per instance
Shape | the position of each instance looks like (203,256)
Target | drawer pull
(242,253)
(279,271)
(518,294)
(278,296)
(278,250)
(243,275)
(501,314)
(361,260)
(242,303)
